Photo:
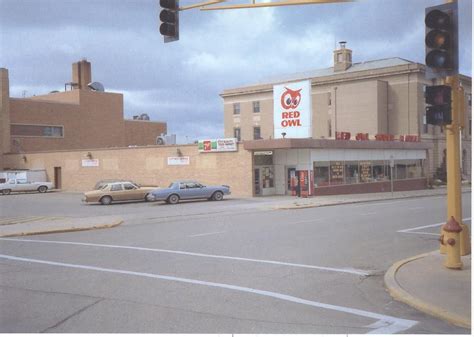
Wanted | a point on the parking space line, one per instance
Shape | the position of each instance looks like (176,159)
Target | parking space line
(384,324)
(340,270)
(204,234)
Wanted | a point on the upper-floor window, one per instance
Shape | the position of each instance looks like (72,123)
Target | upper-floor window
(27,130)
(256,106)
(236,108)
(256,132)
(237,133)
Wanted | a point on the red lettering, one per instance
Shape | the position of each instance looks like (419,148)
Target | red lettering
(284,123)
(294,122)
(285,115)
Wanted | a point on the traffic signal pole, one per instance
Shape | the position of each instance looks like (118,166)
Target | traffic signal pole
(453,166)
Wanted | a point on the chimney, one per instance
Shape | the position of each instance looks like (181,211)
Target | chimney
(342,57)
(81,74)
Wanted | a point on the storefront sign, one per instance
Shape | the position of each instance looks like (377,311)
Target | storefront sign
(172,161)
(292,114)
(337,171)
(365,171)
(90,162)
(409,138)
(217,145)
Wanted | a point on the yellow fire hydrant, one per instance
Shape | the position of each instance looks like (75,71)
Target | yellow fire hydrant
(452,240)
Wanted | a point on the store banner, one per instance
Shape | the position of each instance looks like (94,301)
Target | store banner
(90,162)
(173,161)
(292,113)
(217,145)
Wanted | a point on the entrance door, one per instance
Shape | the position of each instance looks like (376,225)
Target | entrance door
(57,178)
(257,187)
(291,181)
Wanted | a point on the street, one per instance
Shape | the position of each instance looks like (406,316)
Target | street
(235,266)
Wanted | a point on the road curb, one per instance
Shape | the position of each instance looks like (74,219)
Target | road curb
(64,230)
(356,201)
(399,294)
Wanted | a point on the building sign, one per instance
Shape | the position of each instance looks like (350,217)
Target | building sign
(90,162)
(292,114)
(217,145)
(172,161)
(342,135)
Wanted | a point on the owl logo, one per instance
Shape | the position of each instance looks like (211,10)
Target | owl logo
(290,99)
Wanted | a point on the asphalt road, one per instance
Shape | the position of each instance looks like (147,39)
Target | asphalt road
(228,267)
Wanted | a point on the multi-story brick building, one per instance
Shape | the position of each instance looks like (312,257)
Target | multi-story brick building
(380,97)
(80,118)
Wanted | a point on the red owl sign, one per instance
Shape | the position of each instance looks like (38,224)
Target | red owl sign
(292,110)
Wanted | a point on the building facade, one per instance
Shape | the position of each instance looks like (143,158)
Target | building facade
(381,99)
(83,117)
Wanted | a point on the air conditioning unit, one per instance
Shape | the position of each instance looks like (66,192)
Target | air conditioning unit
(166,139)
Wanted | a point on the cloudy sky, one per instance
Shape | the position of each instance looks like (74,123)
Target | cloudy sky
(180,82)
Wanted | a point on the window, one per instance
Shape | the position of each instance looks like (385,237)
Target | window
(182,186)
(336,171)
(329,128)
(256,106)
(129,186)
(425,126)
(237,134)
(380,171)
(351,170)
(116,187)
(365,171)
(236,108)
(36,130)
(256,132)
(267,177)
(321,173)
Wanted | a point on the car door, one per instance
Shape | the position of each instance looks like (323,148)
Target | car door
(131,192)
(117,192)
(184,192)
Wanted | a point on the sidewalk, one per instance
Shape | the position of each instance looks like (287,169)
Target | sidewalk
(424,283)
(289,202)
(20,226)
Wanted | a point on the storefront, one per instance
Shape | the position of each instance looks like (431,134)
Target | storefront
(305,167)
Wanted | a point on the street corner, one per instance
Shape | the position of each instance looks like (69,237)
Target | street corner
(48,225)
(425,284)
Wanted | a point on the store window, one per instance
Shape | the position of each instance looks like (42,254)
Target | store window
(351,170)
(380,170)
(365,171)
(263,159)
(256,106)
(321,173)
(256,132)
(237,134)
(336,172)
(236,108)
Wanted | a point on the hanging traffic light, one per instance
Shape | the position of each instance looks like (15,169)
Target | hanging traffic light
(441,40)
(169,17)
(438,98)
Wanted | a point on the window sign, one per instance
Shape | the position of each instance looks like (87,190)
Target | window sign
(292,114)
(337,172)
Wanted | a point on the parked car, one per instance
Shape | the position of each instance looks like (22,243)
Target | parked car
(101,183)
(23,185)
(189,189)
(118,191)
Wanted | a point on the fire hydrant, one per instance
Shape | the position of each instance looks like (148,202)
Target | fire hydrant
(452,240)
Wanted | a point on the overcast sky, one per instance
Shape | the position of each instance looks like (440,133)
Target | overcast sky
(180,82)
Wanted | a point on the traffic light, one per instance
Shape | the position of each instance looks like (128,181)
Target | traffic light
(441,40)
(169,17)
(438,98)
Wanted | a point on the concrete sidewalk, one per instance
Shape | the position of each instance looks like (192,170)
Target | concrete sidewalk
(20,226)
(424,283)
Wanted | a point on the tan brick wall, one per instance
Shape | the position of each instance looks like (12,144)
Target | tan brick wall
(144,165)
(139,132)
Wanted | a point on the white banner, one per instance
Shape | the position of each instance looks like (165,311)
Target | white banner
(292,113)
(90,162)
(217,145)
(178,161)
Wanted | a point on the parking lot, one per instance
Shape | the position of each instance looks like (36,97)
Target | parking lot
(235,266)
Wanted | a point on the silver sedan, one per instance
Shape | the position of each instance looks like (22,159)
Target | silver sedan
(189,189)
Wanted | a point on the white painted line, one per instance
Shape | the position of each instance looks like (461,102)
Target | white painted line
(427,226)
(384,325)
(414,208)
(204,234)
(372,213)
(340,270)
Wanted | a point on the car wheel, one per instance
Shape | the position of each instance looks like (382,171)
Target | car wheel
(106,200)
(173,199)
(6,192)
(42,189)
(218,196)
